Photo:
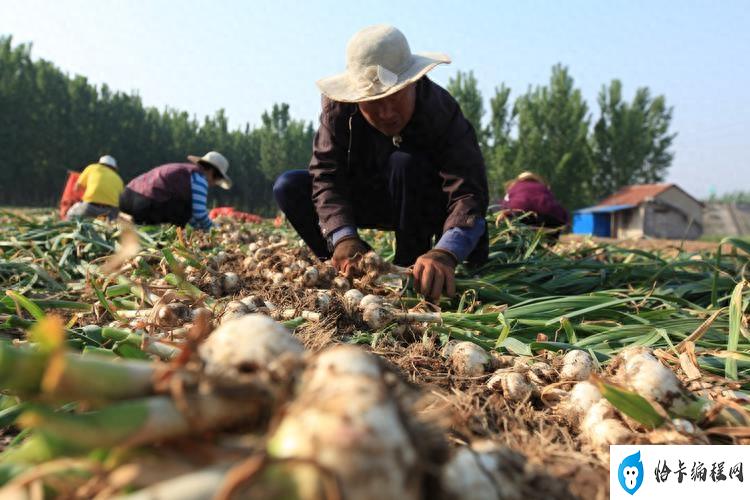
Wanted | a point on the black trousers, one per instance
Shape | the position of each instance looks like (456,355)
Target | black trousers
(148,211)
(404,195)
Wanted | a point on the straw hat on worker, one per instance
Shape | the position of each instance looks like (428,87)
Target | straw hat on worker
(379,62)
(217,161)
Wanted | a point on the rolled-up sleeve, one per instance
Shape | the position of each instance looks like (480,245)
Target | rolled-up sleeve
(199,193)
(460,241)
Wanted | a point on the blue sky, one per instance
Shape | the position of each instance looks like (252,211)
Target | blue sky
(245,55)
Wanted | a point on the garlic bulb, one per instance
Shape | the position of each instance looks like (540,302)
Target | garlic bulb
(469,360)
(577,365)
(582,397)
(252,342)
(340,284)
(514,385)
(643,373)
(310,277)
(235,310)
(352,299)
(323,301)
(370,299)
(349,424)
(483,471)
(230,283)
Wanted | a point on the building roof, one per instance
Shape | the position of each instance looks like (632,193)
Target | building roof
(635,194)
(601,209)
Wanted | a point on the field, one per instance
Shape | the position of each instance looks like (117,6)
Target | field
(176,364)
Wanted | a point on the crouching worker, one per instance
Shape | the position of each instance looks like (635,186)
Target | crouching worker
(101,186)
(176,193)
(393,151)
(529,195)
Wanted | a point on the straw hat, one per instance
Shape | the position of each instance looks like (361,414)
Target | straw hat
(526,176)
(219,162)
(108,161)
(379,63)
(531,176)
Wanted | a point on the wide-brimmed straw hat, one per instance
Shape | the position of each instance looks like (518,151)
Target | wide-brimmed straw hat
(216,160)
(379,63)
(108,161)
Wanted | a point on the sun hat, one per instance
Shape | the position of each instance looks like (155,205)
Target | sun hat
(379,63)
(531,176)
(219,162)
(526,176)
(108,161)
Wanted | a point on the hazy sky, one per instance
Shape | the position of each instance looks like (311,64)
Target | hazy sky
(245,55)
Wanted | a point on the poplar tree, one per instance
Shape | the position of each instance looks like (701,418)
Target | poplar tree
(631,140)
(553,125)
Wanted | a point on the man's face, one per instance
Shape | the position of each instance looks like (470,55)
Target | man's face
(212,176)
(390,115)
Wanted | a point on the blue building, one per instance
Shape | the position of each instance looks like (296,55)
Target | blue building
(597,220)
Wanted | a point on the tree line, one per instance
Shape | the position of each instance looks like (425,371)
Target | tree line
(51,122)
(550,130)
(741,197)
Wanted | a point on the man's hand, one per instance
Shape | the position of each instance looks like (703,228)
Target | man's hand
(435,272)
(348,254)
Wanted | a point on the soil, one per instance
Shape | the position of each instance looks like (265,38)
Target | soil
(650,243)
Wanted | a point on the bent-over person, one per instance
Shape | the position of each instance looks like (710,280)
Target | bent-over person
(530,196)
(102,186)
(176,193)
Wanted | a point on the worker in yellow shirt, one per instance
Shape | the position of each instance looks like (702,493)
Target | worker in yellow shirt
(102,187)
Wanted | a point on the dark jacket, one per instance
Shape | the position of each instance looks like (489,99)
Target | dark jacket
(532,196)
(346,148)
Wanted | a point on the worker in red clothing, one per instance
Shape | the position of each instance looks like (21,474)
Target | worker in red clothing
(530,194)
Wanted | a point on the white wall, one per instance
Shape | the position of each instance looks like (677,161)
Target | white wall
(628,223)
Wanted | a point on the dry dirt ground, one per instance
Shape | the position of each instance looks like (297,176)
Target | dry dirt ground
(650,243)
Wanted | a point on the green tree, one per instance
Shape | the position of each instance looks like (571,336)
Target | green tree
(553,124)
(284,143)
(501,149)
(731,197)
(631,141)
(465,90)
(51,122)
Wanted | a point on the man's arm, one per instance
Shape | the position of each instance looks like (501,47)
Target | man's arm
(457,154)
(462,170)
(328,168)
(199,194)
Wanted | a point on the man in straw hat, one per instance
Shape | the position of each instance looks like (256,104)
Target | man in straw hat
(176,193)
(101,186)
(393,151)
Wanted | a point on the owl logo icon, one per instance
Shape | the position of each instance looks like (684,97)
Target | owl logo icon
(630,473)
